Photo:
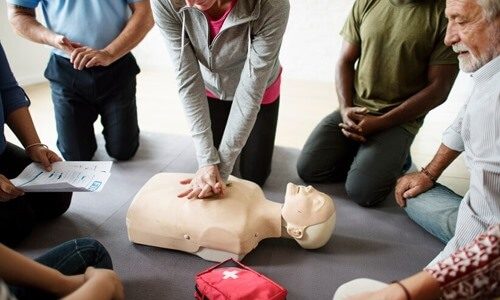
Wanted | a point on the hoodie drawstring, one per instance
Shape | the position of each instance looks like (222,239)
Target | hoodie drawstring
(249,50)
(183,32)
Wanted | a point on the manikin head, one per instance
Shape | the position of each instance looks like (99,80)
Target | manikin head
(473,31)
(309,214)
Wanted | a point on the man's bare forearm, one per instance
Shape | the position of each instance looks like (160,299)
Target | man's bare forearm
(25,24)
(344,83)
(443,158)
(19,270)
(434,94)
(139,24)
(344,73)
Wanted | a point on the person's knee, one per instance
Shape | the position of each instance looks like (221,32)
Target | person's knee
(62,204)
(417,207)
(122,152)
(94,253)
(257,176)
(305,169)
(55,207)
(363,194)
(77,155)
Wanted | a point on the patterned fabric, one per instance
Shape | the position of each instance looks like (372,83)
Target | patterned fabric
(472,272)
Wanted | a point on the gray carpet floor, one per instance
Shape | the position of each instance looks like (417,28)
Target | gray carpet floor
(379,243)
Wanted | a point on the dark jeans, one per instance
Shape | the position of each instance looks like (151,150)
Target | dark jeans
(370,169)
(70,258)
(256,156)
(80,96)
(19,216)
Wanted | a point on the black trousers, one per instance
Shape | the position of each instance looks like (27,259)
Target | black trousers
(19,216)
(256,156)
(80,96)
(370,170)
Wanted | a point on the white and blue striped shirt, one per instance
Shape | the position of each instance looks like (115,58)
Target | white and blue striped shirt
(476,131)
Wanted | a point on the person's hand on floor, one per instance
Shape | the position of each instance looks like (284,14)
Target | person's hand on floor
(7,190)
(206,182)
(410,186)
(43,155)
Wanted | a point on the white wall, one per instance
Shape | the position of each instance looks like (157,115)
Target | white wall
(310,47)
(27,59)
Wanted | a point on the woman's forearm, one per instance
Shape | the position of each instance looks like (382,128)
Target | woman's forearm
(422,286)
(19,270)
(22,125)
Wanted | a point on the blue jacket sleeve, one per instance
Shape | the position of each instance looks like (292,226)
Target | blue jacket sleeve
(12,96)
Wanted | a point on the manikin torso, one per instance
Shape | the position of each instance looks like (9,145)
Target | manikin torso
(214,229)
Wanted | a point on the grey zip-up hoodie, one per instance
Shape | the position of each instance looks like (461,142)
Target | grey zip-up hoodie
(239,64)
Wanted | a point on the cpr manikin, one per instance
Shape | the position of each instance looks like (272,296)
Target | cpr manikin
(230,226)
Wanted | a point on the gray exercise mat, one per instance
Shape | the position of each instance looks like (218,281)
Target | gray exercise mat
(380,243)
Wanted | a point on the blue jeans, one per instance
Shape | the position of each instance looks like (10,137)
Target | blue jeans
(436,211)
(81,96)
(70,258)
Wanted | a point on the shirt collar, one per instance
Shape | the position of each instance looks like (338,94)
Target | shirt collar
(404,2)
(487,71)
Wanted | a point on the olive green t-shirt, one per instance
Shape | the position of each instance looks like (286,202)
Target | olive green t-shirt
(398,41)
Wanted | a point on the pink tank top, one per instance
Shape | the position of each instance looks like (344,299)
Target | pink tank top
(272,93)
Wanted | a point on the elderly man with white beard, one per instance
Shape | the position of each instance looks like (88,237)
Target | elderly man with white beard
(467,268)
(474,33)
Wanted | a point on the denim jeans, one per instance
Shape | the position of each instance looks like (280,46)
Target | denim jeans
(79,97)
(436,211)
(70,258)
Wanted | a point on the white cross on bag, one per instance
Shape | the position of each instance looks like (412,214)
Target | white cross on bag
(230,274)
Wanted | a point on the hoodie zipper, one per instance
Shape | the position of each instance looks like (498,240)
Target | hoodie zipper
(211,45)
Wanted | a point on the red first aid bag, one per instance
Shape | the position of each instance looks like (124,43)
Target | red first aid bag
(233,280)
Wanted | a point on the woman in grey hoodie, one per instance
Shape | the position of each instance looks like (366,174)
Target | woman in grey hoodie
(228,73)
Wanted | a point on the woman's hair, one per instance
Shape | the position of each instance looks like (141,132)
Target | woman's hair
(491,8)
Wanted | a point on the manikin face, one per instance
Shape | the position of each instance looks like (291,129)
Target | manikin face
(475,38)
(201,4)
(305,206)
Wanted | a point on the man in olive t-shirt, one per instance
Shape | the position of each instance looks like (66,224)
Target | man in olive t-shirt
(403,71)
